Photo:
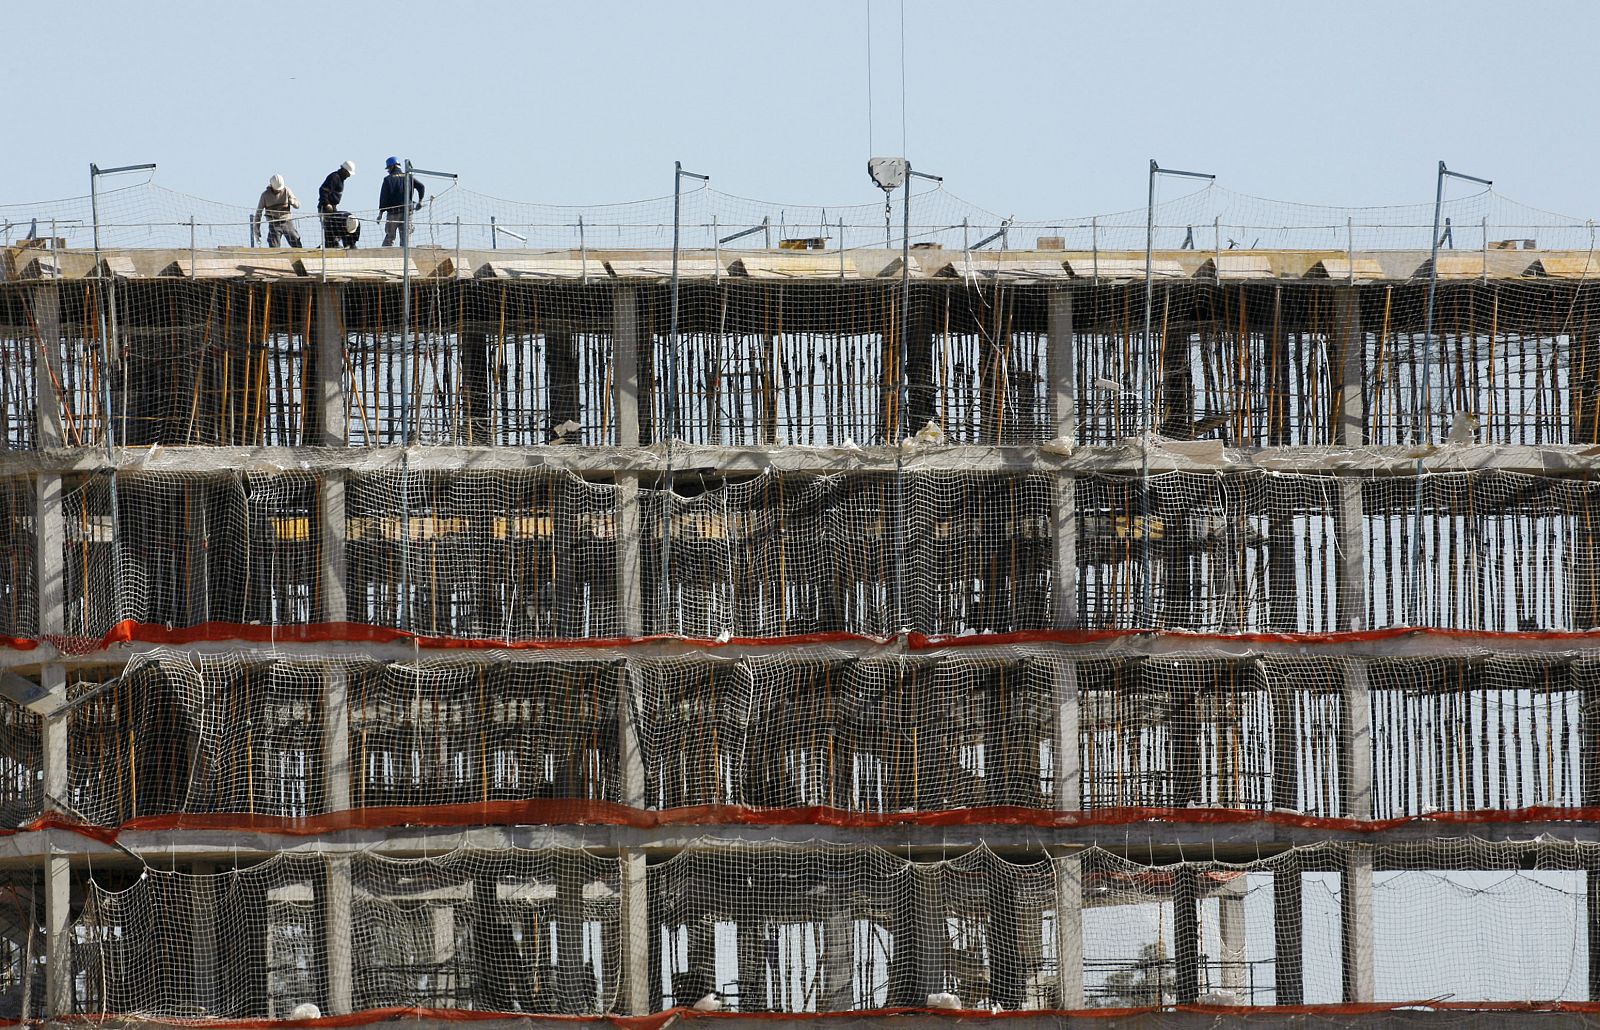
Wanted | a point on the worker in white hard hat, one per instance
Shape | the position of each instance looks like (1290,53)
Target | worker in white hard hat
(334,232)
(277,201)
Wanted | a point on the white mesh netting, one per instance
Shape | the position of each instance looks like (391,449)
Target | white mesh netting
(1006,734)
(817,928)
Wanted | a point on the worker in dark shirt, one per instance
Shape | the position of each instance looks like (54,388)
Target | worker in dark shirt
(328,197)
(392,201)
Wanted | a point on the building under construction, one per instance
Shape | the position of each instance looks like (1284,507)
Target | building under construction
(586,632)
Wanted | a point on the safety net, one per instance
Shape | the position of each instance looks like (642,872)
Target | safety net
(820,928)
(997,736)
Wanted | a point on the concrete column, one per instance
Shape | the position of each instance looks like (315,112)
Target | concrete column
(1349,416)
(629,568)
(1349,398)
(1069,932)
(1067,754)
(338,895)
(931,930)
(1010,925)
(335,740)
(1184,742)
(204,951)
(1061,365)
(1355,923)
(332,431)
(922,393)
(1355,743)
(1592,883)
(338,903)
(331,528)
(1175,400)
(58,945)
(838,961)
(48,430)
(1283,691)
(1186,934)
(1282,589)
(625,342)
(57,869)
(1288,925)
(917,926)
(1234,974)
(751,955)
(477,413)
(561,379)
(1350,537)
(329,342)
(49,558)
(630,753)
(1583,398)
(1061,369)
(1586,679)
(577,996)
(1278,376)
(634,998)
(626,339)
(1064,538)
(994,370)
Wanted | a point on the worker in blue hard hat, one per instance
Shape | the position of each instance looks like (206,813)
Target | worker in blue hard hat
(392,200)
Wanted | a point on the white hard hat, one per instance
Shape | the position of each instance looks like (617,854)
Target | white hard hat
(349,167)
(276,182)
(351,223)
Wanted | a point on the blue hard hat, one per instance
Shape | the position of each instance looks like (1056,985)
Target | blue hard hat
(391,162)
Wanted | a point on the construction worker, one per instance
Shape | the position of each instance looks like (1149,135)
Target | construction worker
(334,221)
(277,200)
(392,201)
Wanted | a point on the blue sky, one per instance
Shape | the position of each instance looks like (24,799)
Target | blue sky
(1038,109)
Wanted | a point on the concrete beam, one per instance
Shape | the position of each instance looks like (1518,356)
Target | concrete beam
(1232,842)
(1210,1019)
(596,461)
(1135,644)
